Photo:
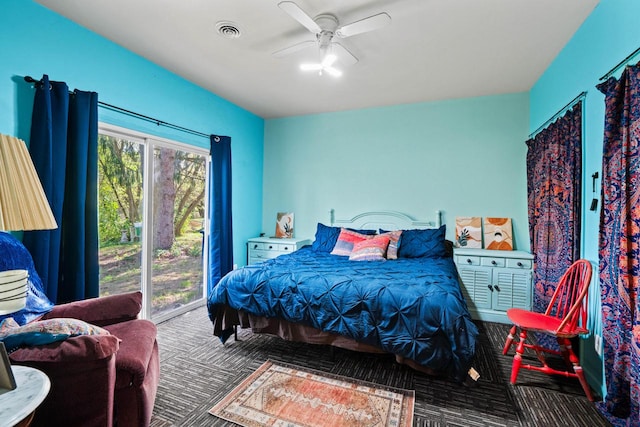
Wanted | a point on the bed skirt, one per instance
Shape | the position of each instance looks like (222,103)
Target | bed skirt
(228,318)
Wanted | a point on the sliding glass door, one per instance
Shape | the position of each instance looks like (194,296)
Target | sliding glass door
(178,228)
(151,220)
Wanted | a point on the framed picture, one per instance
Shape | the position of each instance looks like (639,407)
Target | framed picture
(469,232)
(284,225)
(498,234)
(7,381)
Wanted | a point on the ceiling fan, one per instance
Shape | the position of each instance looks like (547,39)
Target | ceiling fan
(326,27)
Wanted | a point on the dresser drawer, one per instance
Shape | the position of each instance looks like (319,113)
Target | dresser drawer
(278,247)
(256,246)
(520,263)
(263,254)
(492,262)
(467,260)
(286,248)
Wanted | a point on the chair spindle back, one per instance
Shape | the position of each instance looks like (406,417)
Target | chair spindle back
(569,301)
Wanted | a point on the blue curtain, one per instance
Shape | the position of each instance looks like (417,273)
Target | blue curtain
(63,145)
(220,232)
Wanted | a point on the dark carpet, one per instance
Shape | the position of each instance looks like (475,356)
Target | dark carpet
(197,371)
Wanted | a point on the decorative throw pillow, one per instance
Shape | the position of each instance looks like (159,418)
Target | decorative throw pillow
(394,243)
(346,240)
(373,249)
(429,243)
(326,238)
(44,331)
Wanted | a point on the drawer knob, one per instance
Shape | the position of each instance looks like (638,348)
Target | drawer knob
(493,262)
(520,264)
(270,247)
(255,246)
(469,261)
(286,248)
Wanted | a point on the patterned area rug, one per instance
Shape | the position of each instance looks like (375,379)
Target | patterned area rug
(279,394)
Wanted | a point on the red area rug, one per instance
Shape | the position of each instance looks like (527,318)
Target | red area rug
(278,394)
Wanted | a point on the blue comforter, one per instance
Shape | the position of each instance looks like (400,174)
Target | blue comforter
(410,307)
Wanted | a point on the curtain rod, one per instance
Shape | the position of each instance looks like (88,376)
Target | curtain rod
(620,64)
(555,116)
(158,122)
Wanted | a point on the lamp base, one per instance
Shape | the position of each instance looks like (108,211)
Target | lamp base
(13,290)
(7,380)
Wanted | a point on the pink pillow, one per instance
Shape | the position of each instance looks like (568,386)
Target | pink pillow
(373,249)
(346,240)
(394,238)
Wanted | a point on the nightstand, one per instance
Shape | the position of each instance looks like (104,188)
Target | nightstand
(260,249)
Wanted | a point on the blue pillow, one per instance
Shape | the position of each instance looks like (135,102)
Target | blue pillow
(326,238)
(429,243)
(363,231)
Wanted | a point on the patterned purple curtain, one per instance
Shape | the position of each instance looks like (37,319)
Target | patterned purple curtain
(554,188)
(620,246)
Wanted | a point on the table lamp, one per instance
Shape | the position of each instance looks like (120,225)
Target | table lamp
(23,206)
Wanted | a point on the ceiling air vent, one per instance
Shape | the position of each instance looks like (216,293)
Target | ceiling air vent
(228,30)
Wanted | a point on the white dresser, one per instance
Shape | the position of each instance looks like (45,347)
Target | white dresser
(495,281)
(260,249)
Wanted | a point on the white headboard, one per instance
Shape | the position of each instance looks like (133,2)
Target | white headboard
(386,220)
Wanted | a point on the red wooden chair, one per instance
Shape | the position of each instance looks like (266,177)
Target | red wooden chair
(565,318)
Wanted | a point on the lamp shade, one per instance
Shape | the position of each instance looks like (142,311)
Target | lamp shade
(23,204)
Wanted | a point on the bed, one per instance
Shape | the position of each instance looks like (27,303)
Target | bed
(339,292)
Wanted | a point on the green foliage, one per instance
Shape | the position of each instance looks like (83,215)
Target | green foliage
(119,186)
(110,222)
(120,180)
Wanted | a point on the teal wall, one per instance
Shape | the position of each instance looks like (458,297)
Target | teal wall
(465,157)
(35,41)
(608,35)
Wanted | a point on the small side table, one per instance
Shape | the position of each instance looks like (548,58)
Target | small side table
(260,249)
(17,406)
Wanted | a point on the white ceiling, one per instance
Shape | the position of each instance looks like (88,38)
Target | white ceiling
(432,50)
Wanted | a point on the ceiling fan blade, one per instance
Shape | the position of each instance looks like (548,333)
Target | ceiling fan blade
(362,26)
(291,49)
(311,67)
(346,57)
(300,15)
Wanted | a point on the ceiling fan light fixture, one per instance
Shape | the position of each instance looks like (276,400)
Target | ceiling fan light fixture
(321,68)
(311,67)
(329,60)
(333,71)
